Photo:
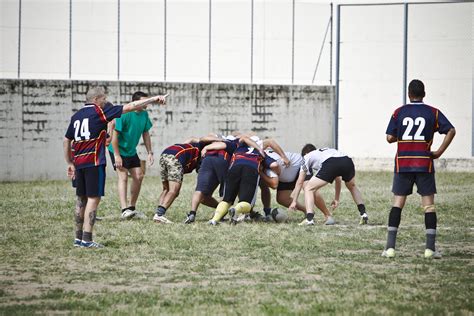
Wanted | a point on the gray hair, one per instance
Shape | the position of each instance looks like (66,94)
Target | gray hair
(94,92)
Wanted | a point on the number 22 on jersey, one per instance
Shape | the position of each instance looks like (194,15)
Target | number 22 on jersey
(409,123)
(81,130)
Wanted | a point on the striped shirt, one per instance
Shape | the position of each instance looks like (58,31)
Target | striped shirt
(249,156)
(414,125)
(88,131)
(188,155)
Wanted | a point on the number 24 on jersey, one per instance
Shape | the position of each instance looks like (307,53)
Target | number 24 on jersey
(81,130)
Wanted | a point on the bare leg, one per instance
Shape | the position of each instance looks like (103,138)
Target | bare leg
(356,195)
(209,201)
(310,189)
(321,205)
(172,194)
(166,188)
(79,215)
(283,198)
(266,195)
(90,213)
(122,175)
(196,200)
(399,201)
(137,178)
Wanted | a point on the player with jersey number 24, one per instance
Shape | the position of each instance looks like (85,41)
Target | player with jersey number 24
(84,152)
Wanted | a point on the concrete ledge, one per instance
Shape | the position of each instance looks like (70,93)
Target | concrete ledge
(443,164)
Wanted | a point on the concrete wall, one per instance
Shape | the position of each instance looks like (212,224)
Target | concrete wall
(34,115)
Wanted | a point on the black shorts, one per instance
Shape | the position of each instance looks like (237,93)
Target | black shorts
(284,186)
(127,162)
(212,173)
(242,180)
(403,183)
(337,167)
(90,181)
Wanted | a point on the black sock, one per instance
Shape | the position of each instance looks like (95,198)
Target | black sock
(393,223)
(124,209)
(430,224)
(267,210)
(361,208)
(131,208)
(86,236)
(160,210)
(309,216)
(192,213)
(79,234)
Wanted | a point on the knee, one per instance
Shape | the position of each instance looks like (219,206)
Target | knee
(174,191)
(281,200)
(139,176)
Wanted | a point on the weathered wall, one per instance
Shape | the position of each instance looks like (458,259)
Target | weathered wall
(34,115)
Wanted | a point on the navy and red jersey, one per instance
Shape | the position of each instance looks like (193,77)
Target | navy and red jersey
(88,131)
(188,155)
(414,125)
(249,156)
(226,153)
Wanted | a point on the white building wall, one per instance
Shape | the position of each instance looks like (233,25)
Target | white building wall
(440,52)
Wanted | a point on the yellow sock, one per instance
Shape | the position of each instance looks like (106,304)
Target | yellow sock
(243,207)
(221,210)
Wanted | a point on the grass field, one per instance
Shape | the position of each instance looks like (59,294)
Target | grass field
(248,269)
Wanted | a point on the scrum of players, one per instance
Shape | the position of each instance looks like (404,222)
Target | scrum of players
(241,163)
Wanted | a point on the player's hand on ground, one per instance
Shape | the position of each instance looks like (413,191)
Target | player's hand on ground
(334,204)
(151,159)
(292,206)
(71,171)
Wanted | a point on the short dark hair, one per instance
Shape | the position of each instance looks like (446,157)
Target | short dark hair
(307,148)
(416,89)
(138,95)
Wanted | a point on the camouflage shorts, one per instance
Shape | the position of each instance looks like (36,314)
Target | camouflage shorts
(170,168)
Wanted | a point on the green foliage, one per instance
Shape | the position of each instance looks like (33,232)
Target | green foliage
(247,269)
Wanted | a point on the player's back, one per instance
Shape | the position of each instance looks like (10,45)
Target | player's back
(416,122)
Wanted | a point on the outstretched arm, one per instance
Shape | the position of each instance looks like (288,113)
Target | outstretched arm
(141,104)
(444,145)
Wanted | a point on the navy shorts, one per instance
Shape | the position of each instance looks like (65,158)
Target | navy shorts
(127,162)
(337,167)
(242,180)
(90,181)
(403,183)
(212,173)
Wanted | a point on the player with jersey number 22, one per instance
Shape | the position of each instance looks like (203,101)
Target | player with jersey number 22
(84,152)
(413,126)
